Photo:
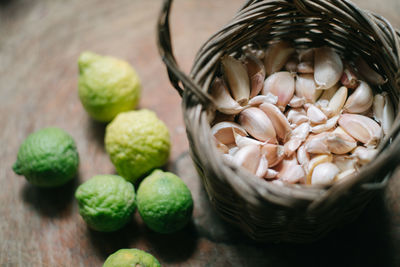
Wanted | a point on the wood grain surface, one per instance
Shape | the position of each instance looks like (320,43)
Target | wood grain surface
(40,42)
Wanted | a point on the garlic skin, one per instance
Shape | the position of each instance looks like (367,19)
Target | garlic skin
(296,102)
(296,138)
(238,80)
(257,124)
(223,132)
(387,117)
(337,102)
(222,98)
(316,144)
(315,115)
(296,116)
(349,79)
(361,100)
(306,88)
(256,72)
(276,56)
(328,67)
(248,157)
(368,73)
(364,154)
(281,84)
(260,99)
(262,168)
(324,174)
(361,128)
(220,146)
(279,121)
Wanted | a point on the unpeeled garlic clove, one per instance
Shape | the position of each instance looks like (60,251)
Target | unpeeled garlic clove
(339,142)
(257,124)
(326,96)
(345,162)
(328,125)
(361,100)
(238,80)
(280,84)
(297,102)
(279,121)
(260,99)
(316,144)
(305,67)
(296,138)
(387,114)
(271,174)
(296,116)
(337,101)
(256,72)
(262,168)
(302,156)
(349,79)
(242,141)
(364,154)
(223,132)
(290,171)
(361,128)
(248,157)
(276,56)
(222,98)
(314,162)
(345,174)
(291,64)
(315,115)
(377,107)
(274,153)
(368,73)
(220,146)
(324,174)
(328,67)
(306,88)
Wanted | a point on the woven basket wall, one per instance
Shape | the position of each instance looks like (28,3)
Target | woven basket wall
(290,213)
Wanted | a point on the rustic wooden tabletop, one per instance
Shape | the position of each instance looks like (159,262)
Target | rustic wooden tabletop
(40,42)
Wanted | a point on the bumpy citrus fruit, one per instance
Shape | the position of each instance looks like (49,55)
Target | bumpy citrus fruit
(47,158)
(107,86)
(164,202)
(137,142)
(106,202)
(131,258)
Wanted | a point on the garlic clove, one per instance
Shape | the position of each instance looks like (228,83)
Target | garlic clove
(302,156)
(290,171)
(257,124)
(368,73)
(296,138)
(238,80)
(337,101)
(271,174)
(326,96)
(297,116)
(377,107)
(279,121)
(222,98)
(345,162)
(220,146)
(387,114)
(306,88)
(223,132)
(280,84)
(315,115)
(316,144)
(242,141)
(361,100)
(328,125)
(349,79)
(262,168)
(328,67)
(276,56)
(256,72)
(339,142)
(345,174)
(228,158)
(248,157)
(305,67)
(291,64)
(324,174)
(260,99)
(364,154)
(307,55)
(314,162)
(296,102)
(274,153)
(361,128)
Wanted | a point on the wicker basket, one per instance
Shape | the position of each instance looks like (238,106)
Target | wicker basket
(290,213)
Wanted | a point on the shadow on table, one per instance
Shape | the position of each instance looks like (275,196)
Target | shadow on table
(51,202)
(96,131)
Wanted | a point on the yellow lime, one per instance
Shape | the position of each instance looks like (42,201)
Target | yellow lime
(131,258)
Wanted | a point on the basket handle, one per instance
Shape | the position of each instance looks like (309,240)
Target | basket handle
(176,76)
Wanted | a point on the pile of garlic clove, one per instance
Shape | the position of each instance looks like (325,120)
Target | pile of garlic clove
(298,116)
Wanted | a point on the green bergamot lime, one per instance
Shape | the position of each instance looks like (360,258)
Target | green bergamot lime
(137,142)
(107,86)
(106,202)
(164,202)
(131,258)
(47,158)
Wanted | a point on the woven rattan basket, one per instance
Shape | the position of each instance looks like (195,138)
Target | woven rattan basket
(290,213)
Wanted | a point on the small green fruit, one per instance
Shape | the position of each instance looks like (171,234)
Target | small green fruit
(47,158)
(131,258)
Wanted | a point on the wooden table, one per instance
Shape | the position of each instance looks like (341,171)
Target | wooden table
(40,42)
